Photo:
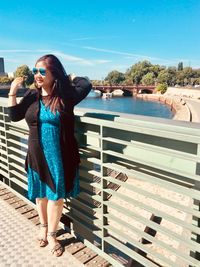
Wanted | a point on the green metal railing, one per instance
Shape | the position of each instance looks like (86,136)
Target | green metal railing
(140,186)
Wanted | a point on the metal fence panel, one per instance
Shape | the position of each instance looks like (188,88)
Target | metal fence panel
(140,183)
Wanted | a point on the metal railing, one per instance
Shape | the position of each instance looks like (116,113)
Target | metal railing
(140,186)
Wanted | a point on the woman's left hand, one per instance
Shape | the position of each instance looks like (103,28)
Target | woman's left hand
(72,76)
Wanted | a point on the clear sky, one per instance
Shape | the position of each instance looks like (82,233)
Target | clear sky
(94,37)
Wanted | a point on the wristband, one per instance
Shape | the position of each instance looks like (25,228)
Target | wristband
(12,94)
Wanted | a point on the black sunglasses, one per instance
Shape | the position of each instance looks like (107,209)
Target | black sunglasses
(42,71)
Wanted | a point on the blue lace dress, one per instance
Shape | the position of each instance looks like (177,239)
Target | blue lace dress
(49,130)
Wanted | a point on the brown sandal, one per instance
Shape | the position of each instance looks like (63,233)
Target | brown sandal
(57,250)
(42,242)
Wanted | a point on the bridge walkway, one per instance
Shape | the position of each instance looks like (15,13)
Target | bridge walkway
(18,247)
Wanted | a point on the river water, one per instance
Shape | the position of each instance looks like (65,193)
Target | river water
(129,105)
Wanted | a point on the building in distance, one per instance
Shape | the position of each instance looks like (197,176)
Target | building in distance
(2,69)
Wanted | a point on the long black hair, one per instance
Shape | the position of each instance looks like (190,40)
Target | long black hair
(62,84)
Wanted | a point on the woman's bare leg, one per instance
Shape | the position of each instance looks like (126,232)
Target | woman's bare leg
(54,212)
(41,204)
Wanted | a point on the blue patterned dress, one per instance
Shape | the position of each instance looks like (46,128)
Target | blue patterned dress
(49,130)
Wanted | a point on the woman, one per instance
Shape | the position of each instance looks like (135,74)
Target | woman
(52,158)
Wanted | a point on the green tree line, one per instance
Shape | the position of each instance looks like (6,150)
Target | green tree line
(146,73)
(143,72)
(22,71)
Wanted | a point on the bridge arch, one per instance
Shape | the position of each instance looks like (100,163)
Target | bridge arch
(127,92)
(145,91)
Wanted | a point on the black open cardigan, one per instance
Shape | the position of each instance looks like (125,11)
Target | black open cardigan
(28,108)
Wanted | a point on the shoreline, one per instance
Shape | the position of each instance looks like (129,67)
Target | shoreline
(185,107)
(182,110)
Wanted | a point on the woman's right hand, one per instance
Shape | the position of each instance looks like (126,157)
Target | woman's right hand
(16,84)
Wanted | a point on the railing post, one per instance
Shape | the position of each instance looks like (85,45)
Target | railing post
(198,237)
(103,194)
(5,147)
(197,202)
(1,176)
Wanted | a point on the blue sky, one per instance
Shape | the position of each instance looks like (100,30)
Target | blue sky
(94,37)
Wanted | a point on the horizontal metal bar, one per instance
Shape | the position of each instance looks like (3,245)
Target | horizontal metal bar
(19,183)
(17,174)
(131,253)
(19,151)
(190,137)
(152,179)
(92,197)
(158,212)
(156,197)
(153,148)
(153,225)
(14,132)
(18,167)
(82,206)
(17,159)
(85,218)
(18,143)
(4,173)
(4,160)
(3,151)
(93,184)
(154,240)
(90,147)
(142,247)
(89,133)
(78,221)
(153,164)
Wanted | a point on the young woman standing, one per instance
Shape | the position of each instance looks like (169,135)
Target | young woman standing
(52,159)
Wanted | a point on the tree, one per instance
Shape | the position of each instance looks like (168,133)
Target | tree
(172,75)
(167,76)
(4,80)
(156,69)
(163,77)
(148,79)
(197,82)
(184,76)
(24,71)
(97,82)
(128,80)
(162,88)
(115,77)
(138,70)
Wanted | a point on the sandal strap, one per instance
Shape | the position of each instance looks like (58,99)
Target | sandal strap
(52,233)
(56,247)
(42,239)
(43,224)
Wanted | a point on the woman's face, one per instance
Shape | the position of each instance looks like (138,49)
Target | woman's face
(46,81)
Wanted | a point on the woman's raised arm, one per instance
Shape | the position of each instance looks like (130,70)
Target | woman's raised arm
(81,88)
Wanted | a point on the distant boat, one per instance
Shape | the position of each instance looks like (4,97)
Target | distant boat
(107,95)
(94,93)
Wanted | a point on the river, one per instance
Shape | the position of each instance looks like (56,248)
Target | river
(129,105)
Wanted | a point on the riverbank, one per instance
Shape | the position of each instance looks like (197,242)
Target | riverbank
(191,96)
(182,110)
(184,107)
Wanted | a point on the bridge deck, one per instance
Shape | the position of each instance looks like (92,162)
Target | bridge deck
(18,223)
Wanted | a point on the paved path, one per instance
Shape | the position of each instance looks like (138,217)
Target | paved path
(18,247)
(194,106)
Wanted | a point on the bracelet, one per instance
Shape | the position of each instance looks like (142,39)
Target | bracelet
(12,94)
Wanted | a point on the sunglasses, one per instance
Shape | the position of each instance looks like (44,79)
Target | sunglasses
(42,71)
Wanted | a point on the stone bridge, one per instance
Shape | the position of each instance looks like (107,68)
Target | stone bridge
(127,89)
